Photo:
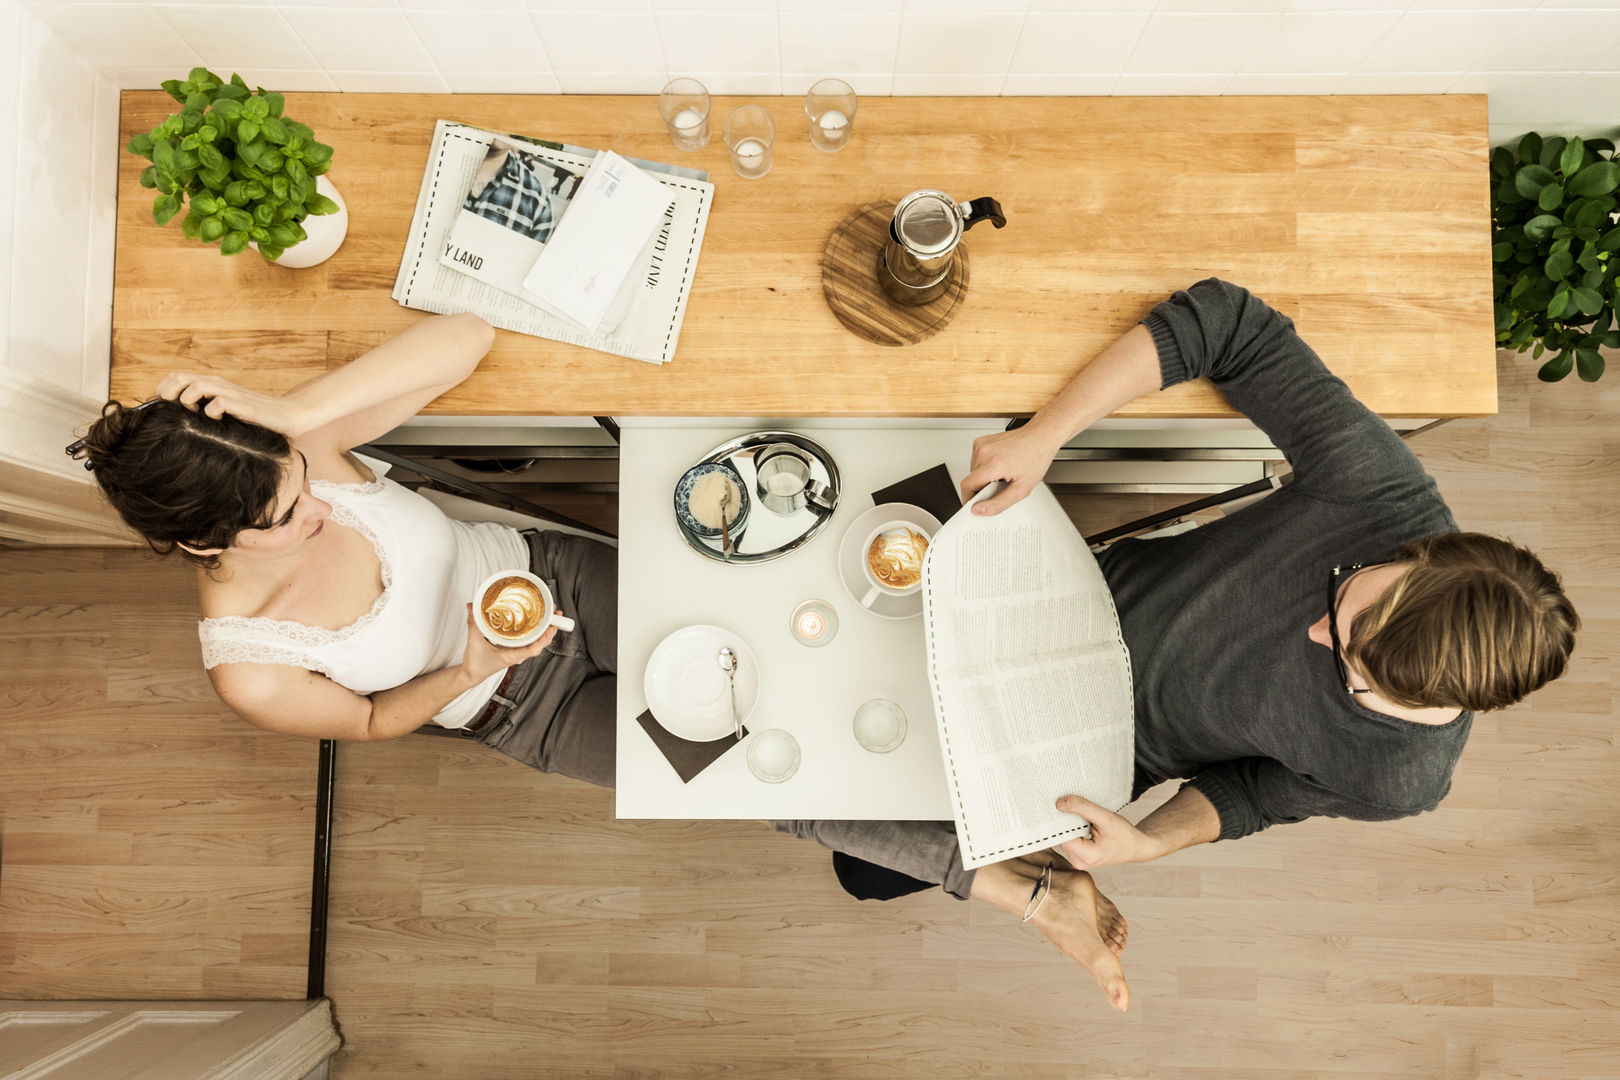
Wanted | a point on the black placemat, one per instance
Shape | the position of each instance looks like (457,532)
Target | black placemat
(930,489)
(686,757)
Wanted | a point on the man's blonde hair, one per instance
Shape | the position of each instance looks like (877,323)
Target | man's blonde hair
(1475,623)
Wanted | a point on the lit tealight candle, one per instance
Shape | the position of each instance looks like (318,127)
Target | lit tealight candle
(687,118)
(833,123)
(814,623)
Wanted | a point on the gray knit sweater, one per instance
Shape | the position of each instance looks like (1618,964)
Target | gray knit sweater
(1229,690)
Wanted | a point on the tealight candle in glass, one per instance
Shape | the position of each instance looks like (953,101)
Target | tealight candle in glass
(684,105)
(830,105)
(749,134)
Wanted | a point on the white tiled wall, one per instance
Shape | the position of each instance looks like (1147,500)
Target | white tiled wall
(1554,65)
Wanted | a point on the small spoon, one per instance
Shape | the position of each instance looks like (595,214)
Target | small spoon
(728,664)
(725,532)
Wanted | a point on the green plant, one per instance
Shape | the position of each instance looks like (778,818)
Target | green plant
(1553,241)
(249,171)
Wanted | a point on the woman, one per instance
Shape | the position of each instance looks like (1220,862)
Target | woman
(335,603)
(334,606)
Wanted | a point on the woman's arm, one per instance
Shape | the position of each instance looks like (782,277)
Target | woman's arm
(290,700)
(359,401)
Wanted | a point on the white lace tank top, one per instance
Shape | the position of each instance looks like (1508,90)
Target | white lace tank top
(430,566)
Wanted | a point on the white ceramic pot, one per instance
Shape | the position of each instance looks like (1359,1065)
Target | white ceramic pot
(326,232)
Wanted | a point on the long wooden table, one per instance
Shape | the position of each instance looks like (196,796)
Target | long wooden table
(1366,219)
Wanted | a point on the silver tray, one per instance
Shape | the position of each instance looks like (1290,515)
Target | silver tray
(766,534)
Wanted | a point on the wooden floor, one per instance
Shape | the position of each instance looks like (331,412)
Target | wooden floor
(488,921)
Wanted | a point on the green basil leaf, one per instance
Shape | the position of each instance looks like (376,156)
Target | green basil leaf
(234,243)
(164,208)
(212,229)
(238,219)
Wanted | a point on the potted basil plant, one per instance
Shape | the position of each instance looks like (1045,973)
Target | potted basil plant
(1554,238)
(245,174)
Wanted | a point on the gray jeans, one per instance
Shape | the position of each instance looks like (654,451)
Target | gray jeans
(925,850)
(565,713)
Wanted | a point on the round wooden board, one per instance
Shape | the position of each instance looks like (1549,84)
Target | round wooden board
(849,277)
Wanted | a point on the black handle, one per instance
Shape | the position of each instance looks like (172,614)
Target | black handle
(981,208)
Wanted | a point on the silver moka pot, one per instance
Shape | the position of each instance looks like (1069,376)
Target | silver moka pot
(923,235)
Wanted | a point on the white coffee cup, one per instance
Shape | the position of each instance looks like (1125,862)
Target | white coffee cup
(548,611)
(876,588)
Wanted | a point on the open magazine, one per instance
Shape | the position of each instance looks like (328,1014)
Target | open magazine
(649,324)
(1031,678)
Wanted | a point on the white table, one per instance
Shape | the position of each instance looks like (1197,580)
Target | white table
(810,692)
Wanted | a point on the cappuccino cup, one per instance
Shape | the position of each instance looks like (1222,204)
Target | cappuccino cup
(891,560)
(512,608)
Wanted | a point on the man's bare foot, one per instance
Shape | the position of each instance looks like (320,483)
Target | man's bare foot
(1088,928)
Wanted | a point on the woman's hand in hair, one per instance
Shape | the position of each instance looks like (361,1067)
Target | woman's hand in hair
(216,397)
(480,660)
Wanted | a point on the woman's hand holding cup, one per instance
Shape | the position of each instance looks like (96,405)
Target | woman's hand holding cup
(480,659)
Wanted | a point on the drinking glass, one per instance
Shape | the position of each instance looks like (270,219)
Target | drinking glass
(830,105)
(750,133)
(684,105)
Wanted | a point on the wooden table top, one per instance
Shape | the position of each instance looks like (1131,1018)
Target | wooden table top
(1366,219)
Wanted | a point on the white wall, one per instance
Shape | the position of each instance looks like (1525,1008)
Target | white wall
(60,190)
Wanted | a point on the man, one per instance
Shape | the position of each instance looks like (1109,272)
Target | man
(1321,652)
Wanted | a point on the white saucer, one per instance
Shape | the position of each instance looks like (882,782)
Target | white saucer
(850,558)
(686,688)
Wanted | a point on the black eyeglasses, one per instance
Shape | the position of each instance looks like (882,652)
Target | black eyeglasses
(1346,572)
(74,448)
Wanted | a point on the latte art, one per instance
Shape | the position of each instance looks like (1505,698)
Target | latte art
(896,557)
(513,607)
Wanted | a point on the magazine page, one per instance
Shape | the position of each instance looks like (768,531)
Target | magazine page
(650,324)
(514,203)
(1031,678)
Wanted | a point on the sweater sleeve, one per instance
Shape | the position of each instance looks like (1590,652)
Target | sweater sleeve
(1251,794)
(1340,450)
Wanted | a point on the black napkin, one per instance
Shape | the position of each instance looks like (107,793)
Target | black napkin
(688,758)
(930,489)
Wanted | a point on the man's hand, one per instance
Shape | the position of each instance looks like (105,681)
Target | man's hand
(1113,839)
(1020,457)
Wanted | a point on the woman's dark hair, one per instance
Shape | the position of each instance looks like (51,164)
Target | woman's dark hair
(177,476)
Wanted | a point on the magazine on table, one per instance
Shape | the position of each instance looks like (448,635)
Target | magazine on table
(515,201)
(1030,675)
(643,321)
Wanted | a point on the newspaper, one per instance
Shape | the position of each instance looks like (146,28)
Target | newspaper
(649,327)
(1030,675)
